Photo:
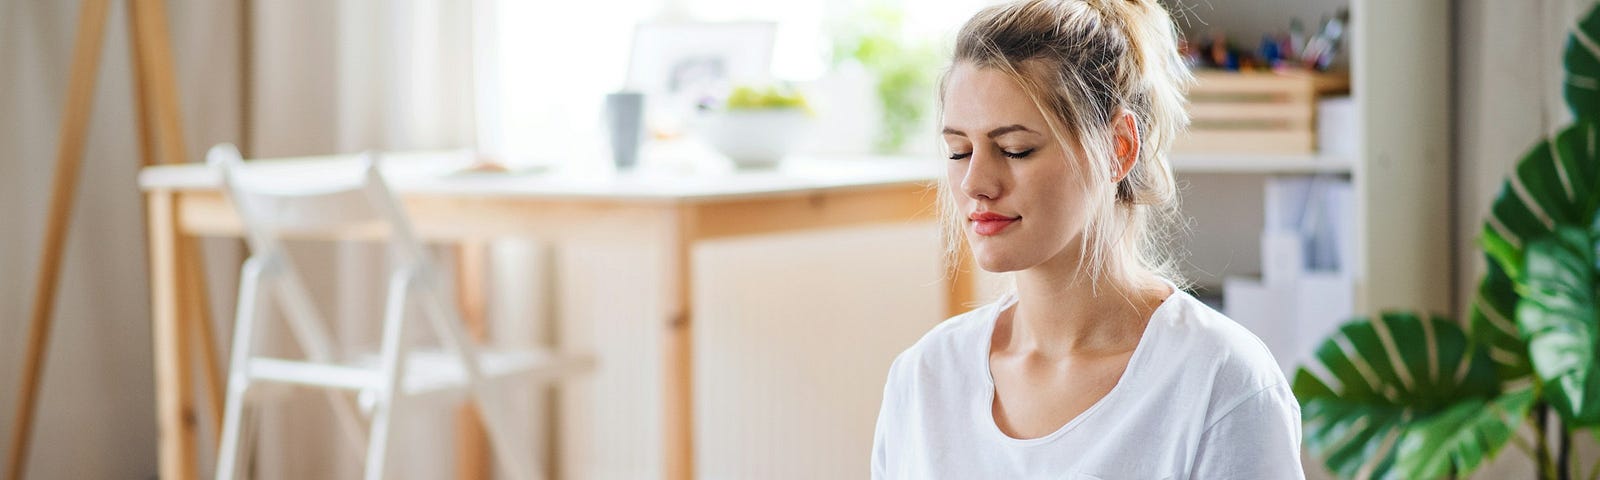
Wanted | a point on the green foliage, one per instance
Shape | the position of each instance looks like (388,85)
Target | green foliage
(1462,437)
(1537,237)
(1535,322)
(905,69)
(1492,324)
(1558,318)
(1554,184)
(747,97)
(1399,379)
(1582,61)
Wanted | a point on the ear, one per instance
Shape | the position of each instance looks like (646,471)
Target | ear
(1125,133)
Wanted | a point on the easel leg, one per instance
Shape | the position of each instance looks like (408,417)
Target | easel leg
(160,87)
(69,156)
(197,315)
(174,387)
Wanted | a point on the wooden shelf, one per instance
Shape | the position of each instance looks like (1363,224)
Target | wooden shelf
(1257,163)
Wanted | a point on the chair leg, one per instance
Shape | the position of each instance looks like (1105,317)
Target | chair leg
(232,428)
(380,436)
(393,364)
(250,296)
(247,434)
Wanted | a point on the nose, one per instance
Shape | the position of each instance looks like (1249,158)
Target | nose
(984,177)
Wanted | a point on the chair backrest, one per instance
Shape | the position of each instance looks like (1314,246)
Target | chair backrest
(332,196)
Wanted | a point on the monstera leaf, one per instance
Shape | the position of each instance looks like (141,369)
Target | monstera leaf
(1384,398)
(1554,188)
(1558,316)
(1460,438)
(1554,184)
(1492,324)
(1582,60)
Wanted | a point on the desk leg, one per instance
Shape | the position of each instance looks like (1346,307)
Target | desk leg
(472,452)
(197,315)
(175,409)
(677,380)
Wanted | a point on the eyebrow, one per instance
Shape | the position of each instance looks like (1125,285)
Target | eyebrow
(992,133)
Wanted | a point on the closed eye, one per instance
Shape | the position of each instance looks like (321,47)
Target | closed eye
(960,156)
(1021,154)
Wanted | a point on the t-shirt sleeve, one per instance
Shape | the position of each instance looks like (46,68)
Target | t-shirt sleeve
(1257,439)
(880,446)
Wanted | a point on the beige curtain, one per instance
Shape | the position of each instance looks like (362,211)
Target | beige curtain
(1509,78)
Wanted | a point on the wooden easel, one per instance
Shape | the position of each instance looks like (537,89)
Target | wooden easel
(155,98)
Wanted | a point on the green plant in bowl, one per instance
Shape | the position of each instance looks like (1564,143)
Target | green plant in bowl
(747,97)
(757,126)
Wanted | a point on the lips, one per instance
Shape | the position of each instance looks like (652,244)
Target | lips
(990,223)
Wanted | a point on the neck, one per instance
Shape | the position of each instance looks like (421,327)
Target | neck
(1062,311)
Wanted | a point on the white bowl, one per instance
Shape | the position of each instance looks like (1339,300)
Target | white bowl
(754,138)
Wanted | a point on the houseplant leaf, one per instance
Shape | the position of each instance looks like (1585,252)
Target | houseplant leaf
(1462,437)
(1375,380)
(1492,324)
(1558,316)
(1582,60)
(1554,184)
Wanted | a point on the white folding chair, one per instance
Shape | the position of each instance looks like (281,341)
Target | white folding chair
(275,202)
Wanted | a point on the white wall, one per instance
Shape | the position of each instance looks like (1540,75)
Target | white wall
(96,416)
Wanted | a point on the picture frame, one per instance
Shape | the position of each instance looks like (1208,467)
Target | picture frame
(681,65)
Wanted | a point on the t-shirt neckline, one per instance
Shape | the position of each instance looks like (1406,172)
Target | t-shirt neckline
(986,412)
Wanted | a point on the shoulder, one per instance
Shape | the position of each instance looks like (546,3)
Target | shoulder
(1204,345)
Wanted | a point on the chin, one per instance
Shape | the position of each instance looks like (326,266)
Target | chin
(996,260)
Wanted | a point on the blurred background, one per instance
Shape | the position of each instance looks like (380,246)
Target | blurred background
(1344,155)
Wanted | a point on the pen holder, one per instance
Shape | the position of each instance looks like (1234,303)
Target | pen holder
(624,114)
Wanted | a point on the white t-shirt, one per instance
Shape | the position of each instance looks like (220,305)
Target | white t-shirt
(1201,399)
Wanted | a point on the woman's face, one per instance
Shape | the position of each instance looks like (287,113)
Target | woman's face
(1020,201)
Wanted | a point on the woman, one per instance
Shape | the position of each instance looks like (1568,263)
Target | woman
(1058,115)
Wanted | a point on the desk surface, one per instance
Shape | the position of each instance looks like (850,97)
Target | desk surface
(441,173)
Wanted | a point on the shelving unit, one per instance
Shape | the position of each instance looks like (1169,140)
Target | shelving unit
(1399,64)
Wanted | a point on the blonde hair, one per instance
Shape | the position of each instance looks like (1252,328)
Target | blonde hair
(1083,62)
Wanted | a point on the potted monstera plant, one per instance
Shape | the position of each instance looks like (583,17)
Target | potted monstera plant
(1401,395)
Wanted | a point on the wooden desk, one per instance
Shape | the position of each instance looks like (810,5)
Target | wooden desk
(676,210)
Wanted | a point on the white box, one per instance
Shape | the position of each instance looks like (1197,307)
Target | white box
(1336,127)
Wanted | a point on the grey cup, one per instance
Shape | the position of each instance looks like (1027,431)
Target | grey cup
(625,124)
